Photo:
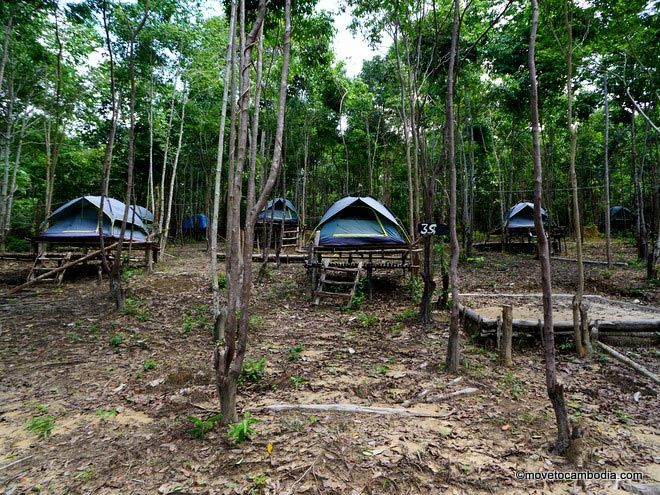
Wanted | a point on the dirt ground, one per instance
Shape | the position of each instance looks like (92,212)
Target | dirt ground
(118,390)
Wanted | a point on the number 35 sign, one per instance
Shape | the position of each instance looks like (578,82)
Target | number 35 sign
(432,229)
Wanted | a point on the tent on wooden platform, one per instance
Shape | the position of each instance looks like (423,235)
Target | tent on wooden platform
(520,219)
(278,209)
(360,221)
(621,219)
(76,222)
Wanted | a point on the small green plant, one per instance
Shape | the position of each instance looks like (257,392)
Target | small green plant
(381,369)
(415,288)
(297,381)
(242,431)
(83,475)
(74,337)
(566,346)
(367,321)
(259,480)
(149,364)
(42,408)
(408,314)
(252,370)
(222,281)
(358,298)
(295,352)
(135,306)
(623,417)
(41,425)
(312,419)
(475,259)
(94,331)
(396,330)
(202,426)
(515,385)
(198,319)
(106,413)
(116,339)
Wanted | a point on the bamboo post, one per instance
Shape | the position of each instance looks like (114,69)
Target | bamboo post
(507,335)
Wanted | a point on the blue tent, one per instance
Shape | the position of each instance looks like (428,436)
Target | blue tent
(359,221)
(193,222)
(77,221)
(521,217)
(621,218)
(276,209)
(146,216)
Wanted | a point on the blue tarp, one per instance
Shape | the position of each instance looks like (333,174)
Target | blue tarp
(277,209)
(198,221)
(77,220)
(521,216)
(359,221)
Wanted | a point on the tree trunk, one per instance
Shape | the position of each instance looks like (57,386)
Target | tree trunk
(608,231)
(577,224)
(6,159)
(453,349)
(638,171)
(161,205)
(150,184)
(170,198)
(116,288)
(218,319)
(555,390)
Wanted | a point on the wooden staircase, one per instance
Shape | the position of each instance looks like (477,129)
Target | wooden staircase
(46,262)
(326,279)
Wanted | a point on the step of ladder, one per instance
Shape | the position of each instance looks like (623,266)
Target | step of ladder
(327,269)
(46,262)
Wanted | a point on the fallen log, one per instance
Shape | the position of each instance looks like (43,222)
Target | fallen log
(626,360)
(589,262)
(59,269)
(349,408)
(272,257)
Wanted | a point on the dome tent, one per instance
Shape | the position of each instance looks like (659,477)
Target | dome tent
(278,209)
(521,217)
(77,221)
(359,221)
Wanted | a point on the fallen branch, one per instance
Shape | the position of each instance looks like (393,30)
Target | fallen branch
(16,462)
(624,359)
(451,395)
(588,262)
(349,408)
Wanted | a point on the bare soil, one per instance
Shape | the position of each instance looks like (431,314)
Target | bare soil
(120,406)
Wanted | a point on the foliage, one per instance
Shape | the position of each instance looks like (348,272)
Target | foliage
(41,425)
(202,426)
(414,288)
(106,413)
(136,306)
(243,430)
(149,364)
(297,381)
(252,370)
(295,352)
(117,339)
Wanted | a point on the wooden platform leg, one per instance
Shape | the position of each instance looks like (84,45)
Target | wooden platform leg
(148,258)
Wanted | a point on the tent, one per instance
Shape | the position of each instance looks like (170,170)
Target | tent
(146,216)
(276,209)
(520,218)
(77,221)
(359,221)
(195,222)
(621,218)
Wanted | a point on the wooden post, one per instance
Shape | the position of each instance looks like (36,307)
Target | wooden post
(584,327)
(507,335)
(499,335)
(148,258)
(310,271)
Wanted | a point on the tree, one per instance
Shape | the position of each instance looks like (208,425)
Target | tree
(555,389)
(228,362)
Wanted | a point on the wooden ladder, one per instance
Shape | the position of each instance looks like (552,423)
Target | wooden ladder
(47,262)
(326,271)
(290,237)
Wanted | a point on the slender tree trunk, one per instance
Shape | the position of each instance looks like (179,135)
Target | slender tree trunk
(555,390)
(453,346)
(470,230)
(608,231)
(12,186)
(577,224)
(640,222)
(163,175)
(6,159)
(116,288)
(170,198)
(220,316)
(5,49)
(150,185)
